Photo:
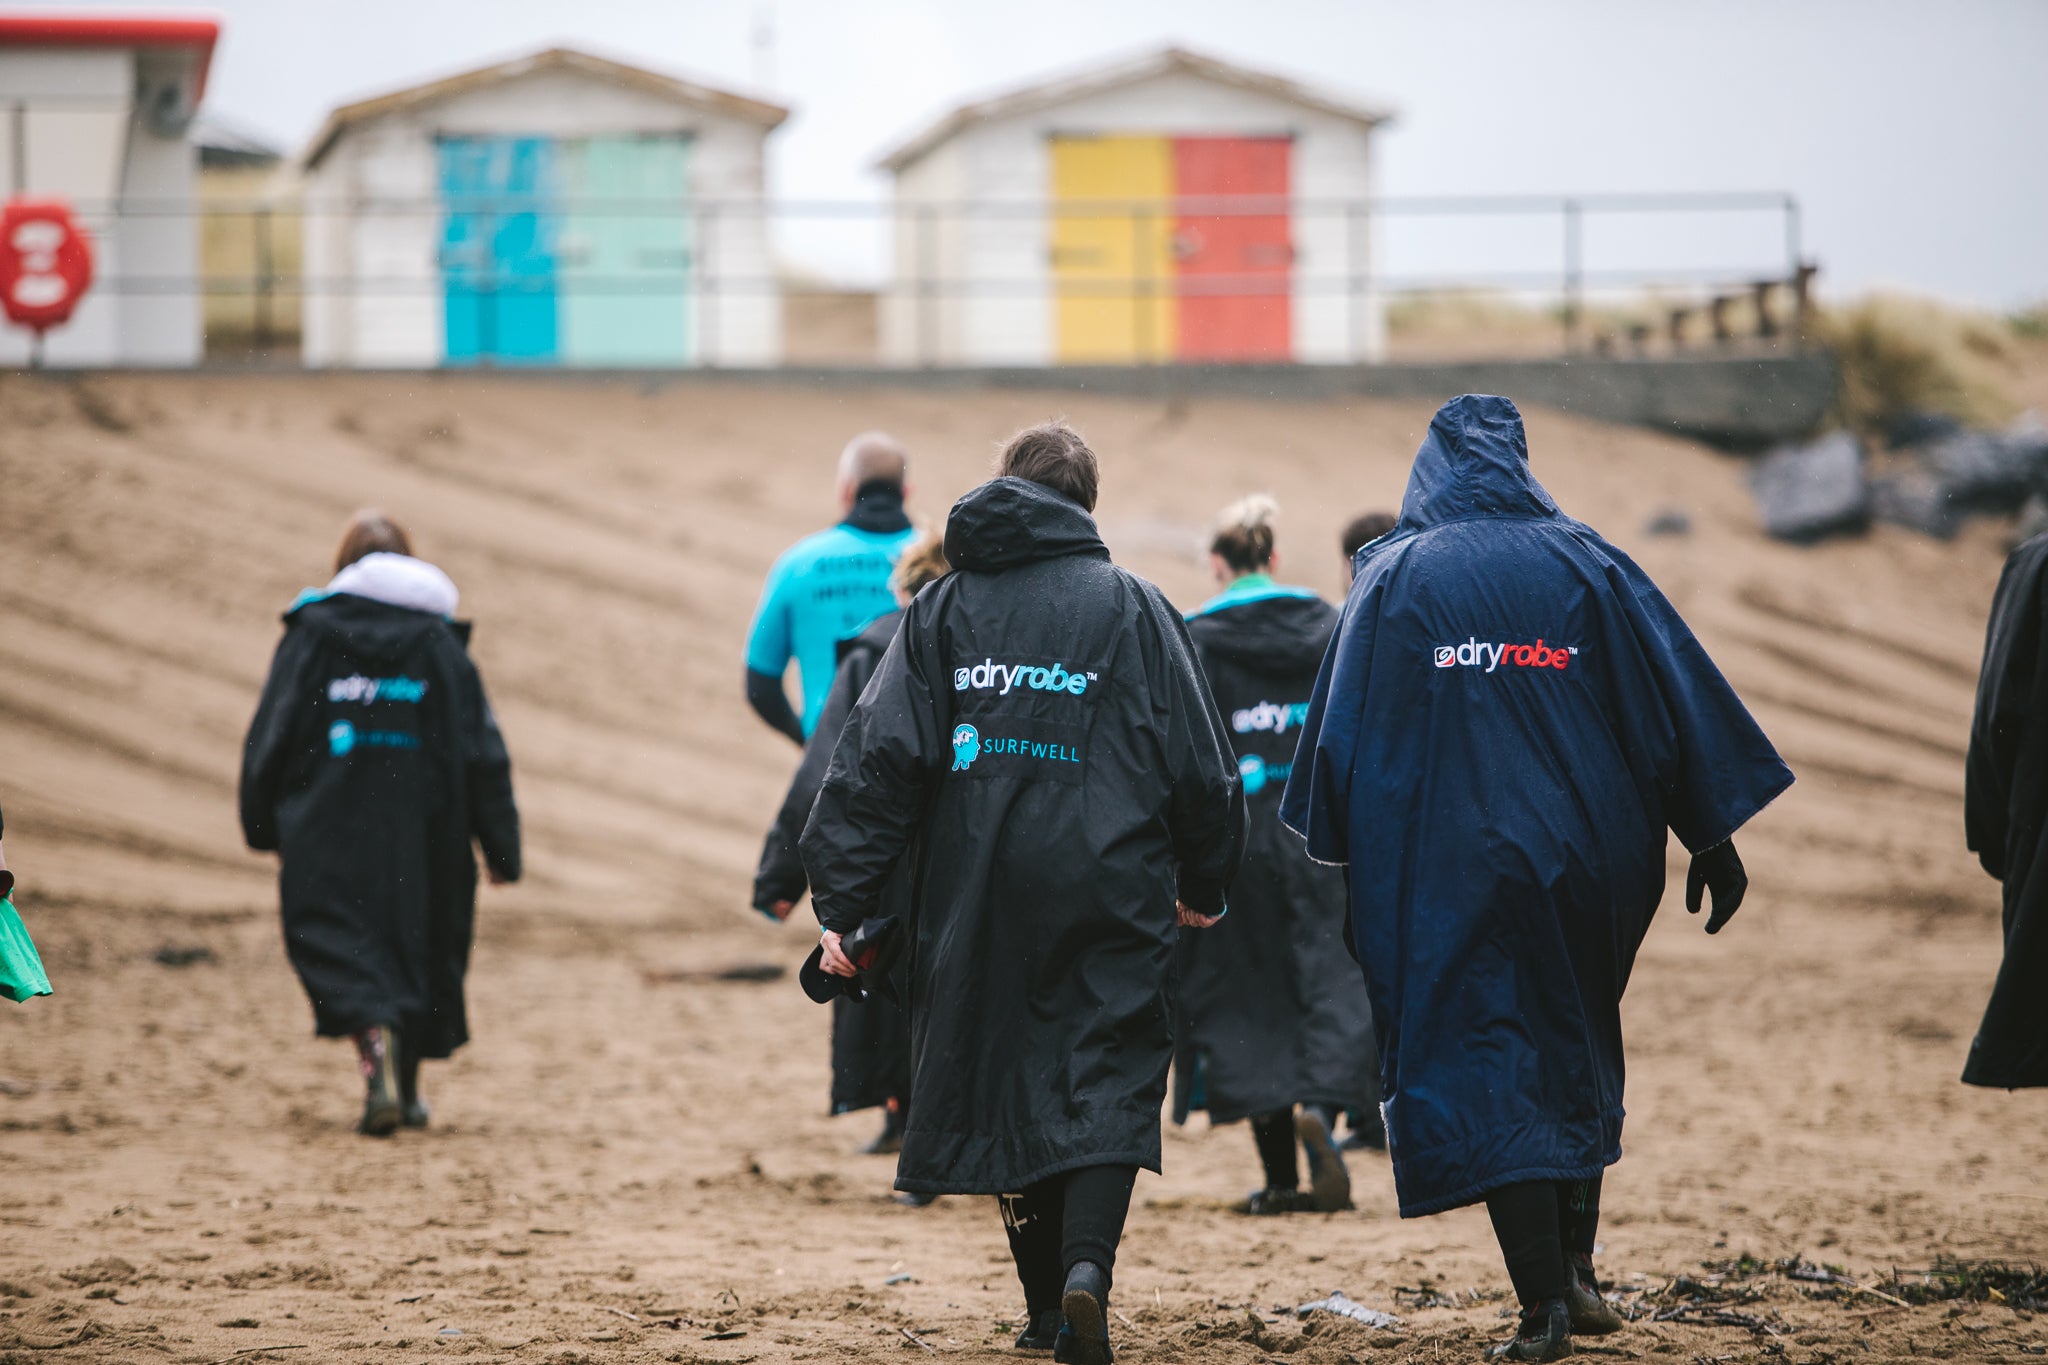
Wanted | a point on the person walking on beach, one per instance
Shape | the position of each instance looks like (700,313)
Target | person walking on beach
(372,766)
(1509,719)
(2005,818)
(1361,531)
(870,1038)
(828,586)
(1274,1012)
(1039,743)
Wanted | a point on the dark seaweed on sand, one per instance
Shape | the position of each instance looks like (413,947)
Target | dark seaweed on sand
(1950,1280)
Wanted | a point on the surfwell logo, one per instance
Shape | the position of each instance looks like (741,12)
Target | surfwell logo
(1024,748)
(1258,774)
(359,688)
(1277,716)
(344,739)
(966,747)
(990,676)
(1475,653)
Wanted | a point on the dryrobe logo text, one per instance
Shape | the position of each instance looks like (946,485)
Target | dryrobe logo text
(1475,653)
(988,675)
(359,688)
(1277,716)
(966,747)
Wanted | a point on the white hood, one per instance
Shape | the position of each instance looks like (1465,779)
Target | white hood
(399,581)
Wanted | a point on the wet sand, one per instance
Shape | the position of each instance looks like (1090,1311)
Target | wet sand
(623,1169)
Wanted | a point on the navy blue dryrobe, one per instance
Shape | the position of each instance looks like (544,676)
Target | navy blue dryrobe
(1507,720)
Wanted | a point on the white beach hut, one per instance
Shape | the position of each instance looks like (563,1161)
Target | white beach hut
(559,209)
(94,109)
(1175,208)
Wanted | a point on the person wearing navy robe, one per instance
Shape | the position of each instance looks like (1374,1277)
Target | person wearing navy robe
(1507,722)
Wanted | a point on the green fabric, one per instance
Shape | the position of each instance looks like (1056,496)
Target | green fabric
(21,967)
(1252,587)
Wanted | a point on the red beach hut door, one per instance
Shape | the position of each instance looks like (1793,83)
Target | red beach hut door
(1235,271)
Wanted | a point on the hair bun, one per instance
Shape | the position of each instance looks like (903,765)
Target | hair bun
(1243,534)
(1253,512)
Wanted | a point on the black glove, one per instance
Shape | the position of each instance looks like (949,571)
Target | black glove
(871,950)
(1718,868)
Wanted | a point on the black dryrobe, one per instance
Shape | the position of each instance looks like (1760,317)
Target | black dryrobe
(2005,814)
(1274,1010)
(870,1038)
(1040,745)
(372,763)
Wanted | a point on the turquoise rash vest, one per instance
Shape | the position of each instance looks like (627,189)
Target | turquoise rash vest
(825,588)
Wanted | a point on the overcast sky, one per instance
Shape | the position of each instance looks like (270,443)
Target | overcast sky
(1915,135)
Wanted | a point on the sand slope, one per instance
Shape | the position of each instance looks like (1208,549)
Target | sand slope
(611,1144)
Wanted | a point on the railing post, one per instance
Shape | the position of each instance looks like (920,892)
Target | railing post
(707,309)
(927,283)
(1574,274)
(1354,261)
(266,275)
(1142,284)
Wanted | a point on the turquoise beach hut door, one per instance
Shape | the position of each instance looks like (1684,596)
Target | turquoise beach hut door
(625,247)
(500,200)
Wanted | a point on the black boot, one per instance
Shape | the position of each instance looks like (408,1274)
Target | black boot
(413,1109)
(1545,1333)
(1084,1337)
(1592,1316)
(1035,1248)
(1274,1200)
(1042,1331)
(377,1051)
(890,1140)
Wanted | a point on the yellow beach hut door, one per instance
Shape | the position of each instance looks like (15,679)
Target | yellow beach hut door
(1112,249)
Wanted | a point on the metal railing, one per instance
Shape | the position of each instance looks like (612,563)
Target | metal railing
(929,256)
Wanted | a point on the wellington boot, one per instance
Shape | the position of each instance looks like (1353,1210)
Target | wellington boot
(1084,1336)
(1042,1331)
(377,1053)
(416,1113)
(1592,1316)
(889,1141)
(1545,1333)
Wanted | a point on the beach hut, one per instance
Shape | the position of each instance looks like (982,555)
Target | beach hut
(248,241)
(558,209)
(95,109)
(1173,208)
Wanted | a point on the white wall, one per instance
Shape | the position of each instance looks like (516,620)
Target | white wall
(162,320)
(1006,161)
(737,307)
(927,246)
(87,144)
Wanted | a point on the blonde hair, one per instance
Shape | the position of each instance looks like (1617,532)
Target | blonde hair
(923,561)
(1243,536)
(370,532)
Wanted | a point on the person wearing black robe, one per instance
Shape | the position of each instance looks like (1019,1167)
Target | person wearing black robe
(1508,721)
(1039,745)
(1274,1013)
(2005,818)
(871,1036)
(372,764)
